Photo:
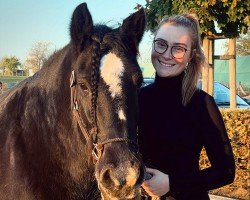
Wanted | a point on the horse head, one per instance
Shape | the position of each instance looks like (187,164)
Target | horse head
(104,84)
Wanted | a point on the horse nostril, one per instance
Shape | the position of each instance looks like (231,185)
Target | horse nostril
(106,178)
(111,179)
(129,174)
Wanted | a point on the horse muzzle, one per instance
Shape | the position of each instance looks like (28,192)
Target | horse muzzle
(121,180)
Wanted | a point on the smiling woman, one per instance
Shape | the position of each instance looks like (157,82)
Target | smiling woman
(176,119)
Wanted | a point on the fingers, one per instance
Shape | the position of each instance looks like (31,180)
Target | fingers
(145,184)
(150,175)
(149,190)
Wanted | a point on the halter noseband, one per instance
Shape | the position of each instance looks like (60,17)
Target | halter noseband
(97,147)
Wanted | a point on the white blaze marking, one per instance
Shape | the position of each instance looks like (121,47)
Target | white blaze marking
(111,71)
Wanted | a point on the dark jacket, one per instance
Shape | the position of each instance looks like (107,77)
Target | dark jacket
(172,136)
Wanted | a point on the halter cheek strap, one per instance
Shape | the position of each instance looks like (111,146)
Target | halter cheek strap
(97,147)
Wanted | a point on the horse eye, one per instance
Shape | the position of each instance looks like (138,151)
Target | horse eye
(84,88)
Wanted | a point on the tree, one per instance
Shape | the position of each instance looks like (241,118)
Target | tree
(242,45)
(38,55)
(9,65)
(231,16)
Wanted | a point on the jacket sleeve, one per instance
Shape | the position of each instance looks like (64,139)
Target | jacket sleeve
(218,149)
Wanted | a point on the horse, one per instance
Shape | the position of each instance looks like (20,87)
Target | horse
(69,131)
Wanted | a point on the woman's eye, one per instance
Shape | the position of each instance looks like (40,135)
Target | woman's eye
(179,49)
(162,44)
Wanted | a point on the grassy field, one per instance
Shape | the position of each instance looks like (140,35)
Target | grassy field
(12,79)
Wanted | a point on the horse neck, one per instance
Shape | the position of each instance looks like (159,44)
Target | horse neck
(52,83)
(58,92)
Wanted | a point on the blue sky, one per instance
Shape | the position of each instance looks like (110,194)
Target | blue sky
(24,22)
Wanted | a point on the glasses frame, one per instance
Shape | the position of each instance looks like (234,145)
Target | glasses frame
(167,46)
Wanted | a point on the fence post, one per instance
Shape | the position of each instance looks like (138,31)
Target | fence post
(205,70)
(211,68)
(232,71)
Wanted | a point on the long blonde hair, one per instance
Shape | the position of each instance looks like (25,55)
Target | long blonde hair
(192,73)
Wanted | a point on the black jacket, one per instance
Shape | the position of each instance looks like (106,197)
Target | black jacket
(172,136)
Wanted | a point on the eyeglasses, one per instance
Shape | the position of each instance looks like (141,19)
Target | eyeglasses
(160,46)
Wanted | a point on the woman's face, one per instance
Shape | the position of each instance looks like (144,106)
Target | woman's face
(177,41)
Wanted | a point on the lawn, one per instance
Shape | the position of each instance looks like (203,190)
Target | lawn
(12,79)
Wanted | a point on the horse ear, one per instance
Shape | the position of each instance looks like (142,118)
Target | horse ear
(81,27)
(134,25)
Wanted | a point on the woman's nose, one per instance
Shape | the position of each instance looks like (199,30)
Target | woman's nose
(167,54)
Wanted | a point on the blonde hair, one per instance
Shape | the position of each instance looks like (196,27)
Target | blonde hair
(192,73)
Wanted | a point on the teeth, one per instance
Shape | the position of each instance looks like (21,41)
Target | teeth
(166,65)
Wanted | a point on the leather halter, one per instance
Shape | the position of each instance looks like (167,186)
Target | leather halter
(97,147)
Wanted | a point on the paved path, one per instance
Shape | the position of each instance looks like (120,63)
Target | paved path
(214,197)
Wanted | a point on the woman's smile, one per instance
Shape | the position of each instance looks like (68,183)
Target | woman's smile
(166,64)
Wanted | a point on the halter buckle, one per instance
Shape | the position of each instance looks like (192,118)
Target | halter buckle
(76,107)
(72,79)
(97,151)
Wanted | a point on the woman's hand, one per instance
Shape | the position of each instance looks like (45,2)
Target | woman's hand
(158,185)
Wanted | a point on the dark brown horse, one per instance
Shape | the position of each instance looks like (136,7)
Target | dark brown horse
(84,98)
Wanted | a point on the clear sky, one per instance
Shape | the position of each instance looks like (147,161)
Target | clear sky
(24,22)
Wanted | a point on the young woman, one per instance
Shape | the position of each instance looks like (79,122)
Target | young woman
(177,120)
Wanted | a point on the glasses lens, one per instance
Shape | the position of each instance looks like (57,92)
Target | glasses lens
(178,52)
(160,46)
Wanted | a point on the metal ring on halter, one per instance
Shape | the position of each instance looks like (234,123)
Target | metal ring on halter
(98,147)
(97,151)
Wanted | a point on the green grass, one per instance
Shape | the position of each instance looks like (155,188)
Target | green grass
(12,79)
